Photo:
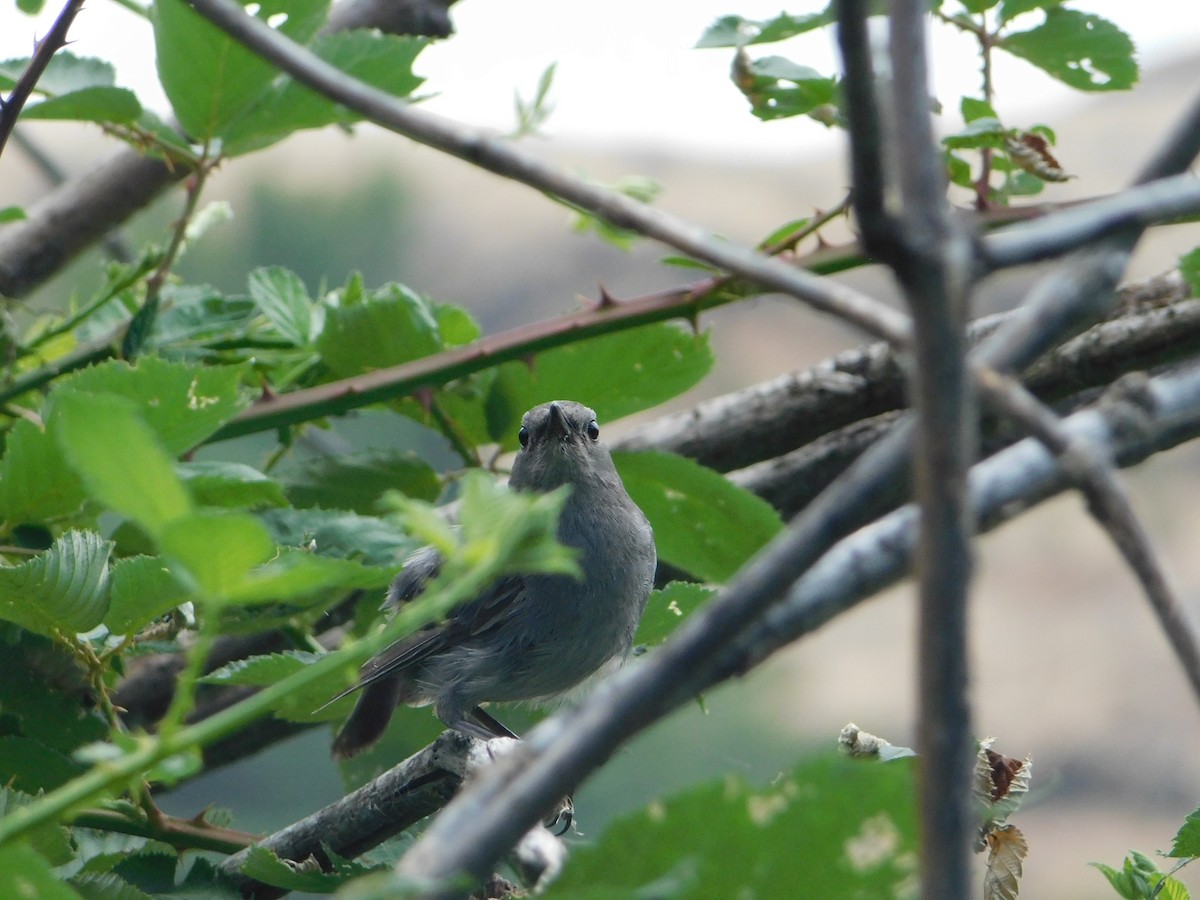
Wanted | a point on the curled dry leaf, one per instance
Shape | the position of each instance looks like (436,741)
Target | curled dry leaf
(1031,152)
(853,741)
(1007,850)
(1001,782)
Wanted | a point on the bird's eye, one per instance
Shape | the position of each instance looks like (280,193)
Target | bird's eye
(593,430)
(523,436)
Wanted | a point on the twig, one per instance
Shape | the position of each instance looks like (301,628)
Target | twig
(55,40)
(502,158)
(1109,505)
(1054,235)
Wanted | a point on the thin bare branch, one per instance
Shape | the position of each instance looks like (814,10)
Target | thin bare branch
(55,40)
(502,158)
(1054,235)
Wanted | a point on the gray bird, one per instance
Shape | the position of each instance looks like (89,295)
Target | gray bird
(526,637)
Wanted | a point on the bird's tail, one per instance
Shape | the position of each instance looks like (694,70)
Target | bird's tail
(370,717)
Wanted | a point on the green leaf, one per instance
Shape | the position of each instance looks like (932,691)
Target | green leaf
(43,692)
(284,300)
(65,73)
(182,404)
(703,523)
(1010,9)
(358,481)
(1187,840)
(1083,50)
(341,535)
(30,7)
(296,574)
(23,873)
(64,588)
(31,766)
(394,325)
(106,886)
(778,88)
(1189,268)
(230,484)
(615,374)
(36,484)
(668,607)
(194,314)
(958,170)
(837,827)
(52,842)
(95,104)
(978,6)
(128,471)
(298,706)
(1119,881)
(382,60)
(981,132)
(264,866)
(12,214)
(210,78)
(143,588)
(736,31)
(973,109)
(217,548)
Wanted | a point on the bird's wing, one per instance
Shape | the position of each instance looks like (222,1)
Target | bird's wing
(467,621)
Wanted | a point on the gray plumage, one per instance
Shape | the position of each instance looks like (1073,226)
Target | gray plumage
(526,637)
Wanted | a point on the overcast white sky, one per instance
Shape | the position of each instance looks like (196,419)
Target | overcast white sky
(626,68)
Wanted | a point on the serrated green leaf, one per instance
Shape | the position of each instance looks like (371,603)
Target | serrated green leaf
(36,484)
(849,830)
(703,523)
(230,484)
(615,374)
(394,325)
(193,315)
(95,104)
(24,873)
(340,535)
(981,132)
(358,481)
(295,574)
(958,170)
(778,88)
(106,886)
(1010,9)
(973,108)
(1117,880)
(12,214)
(210,78)
(65,73)
(52,842)
(298,706)
(217,548)
(737,31)
(128,471)
(457,326)
(1189,268)
(382,60)
(182,404)
(143,589)
(43,690)
(64,588)
(31,766)
(263,865)
(284,300)
(1083,50)
(1186,842)
(667,607)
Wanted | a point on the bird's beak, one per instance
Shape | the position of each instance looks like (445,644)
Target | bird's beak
(558,422)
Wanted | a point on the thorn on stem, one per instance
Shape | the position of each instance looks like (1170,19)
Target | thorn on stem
(607,300)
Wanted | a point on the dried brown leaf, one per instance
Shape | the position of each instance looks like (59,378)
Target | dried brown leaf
(1007,850)
(1031,152)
